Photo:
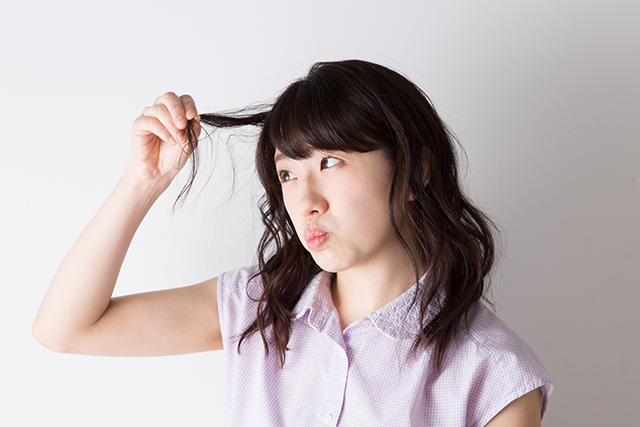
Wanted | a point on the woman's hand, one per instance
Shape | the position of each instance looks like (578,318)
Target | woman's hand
(159,146)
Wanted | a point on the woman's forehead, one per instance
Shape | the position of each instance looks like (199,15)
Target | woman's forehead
(280,156)
(309,151)
(297,151)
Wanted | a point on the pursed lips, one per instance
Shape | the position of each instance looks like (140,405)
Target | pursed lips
(316,237)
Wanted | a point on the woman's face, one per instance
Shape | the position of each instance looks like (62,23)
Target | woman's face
(339,204)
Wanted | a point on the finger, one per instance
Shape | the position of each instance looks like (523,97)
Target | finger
(189,106)
(144,125)
(162,114)
(173,103)
(197,126)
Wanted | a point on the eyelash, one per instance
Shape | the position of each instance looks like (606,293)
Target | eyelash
(282,175)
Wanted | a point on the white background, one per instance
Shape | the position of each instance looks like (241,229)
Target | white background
(544,96)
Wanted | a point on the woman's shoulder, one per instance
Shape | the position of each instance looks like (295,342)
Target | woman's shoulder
(504,364)
(489,334)
(238,294)
(240,277)
(239,286)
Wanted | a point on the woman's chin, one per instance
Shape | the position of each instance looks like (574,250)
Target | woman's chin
(327,262)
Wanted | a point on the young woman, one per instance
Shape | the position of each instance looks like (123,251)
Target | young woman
(365,306)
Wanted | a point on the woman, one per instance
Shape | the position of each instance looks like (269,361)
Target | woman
(365,306)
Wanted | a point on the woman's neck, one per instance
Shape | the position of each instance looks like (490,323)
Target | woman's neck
(359,292)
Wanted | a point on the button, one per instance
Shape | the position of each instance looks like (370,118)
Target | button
(327,418)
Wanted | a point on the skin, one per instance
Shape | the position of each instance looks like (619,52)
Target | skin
(78,314)
(522,412)
(344,193)
(347,195)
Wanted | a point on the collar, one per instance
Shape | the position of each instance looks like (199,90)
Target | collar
(316,300)
(399,319)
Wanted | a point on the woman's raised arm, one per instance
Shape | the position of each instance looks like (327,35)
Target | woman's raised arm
(78,314)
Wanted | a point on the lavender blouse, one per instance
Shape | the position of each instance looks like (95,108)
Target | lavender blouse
(362,376)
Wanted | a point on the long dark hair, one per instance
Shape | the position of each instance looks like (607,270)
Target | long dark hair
(360,106)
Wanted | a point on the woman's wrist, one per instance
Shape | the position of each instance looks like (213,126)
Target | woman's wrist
(144,185)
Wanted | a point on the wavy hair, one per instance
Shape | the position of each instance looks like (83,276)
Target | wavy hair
(361,106)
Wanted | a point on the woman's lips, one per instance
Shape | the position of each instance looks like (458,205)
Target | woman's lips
(316,237)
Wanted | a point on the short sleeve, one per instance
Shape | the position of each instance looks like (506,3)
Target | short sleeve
(238,291)
(505,368)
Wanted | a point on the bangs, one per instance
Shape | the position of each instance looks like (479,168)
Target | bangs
(314,116)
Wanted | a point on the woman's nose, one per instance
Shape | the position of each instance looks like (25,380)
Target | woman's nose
(311,200)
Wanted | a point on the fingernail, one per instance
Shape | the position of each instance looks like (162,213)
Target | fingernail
(191,113)
(181,121)
(172,139)
(181,136)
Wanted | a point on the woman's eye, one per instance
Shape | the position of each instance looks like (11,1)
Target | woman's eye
(328,162)
(285,176)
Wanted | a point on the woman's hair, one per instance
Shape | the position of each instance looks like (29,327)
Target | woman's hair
(360,106)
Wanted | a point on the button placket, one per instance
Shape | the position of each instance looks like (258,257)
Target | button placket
(338,371)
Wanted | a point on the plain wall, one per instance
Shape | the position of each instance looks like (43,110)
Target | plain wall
(543,95)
